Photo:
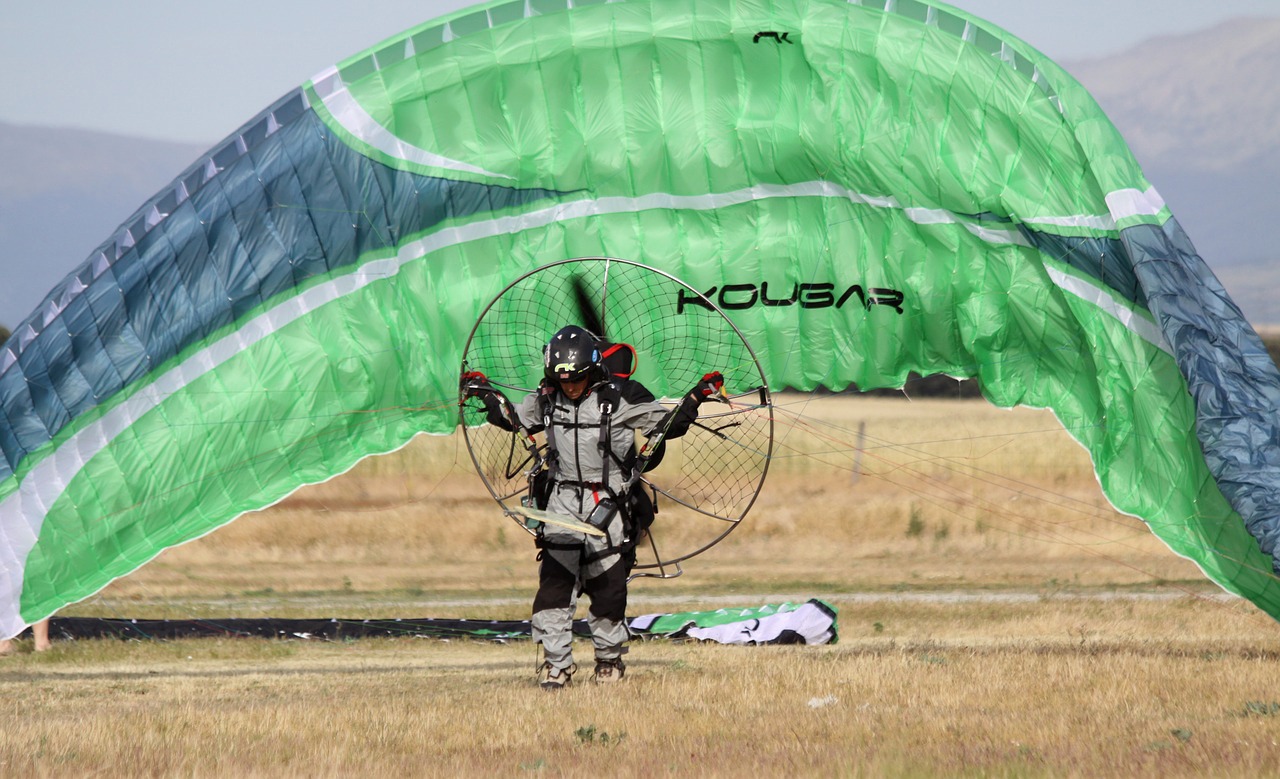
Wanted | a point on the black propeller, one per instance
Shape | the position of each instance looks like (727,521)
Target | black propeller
(592,318)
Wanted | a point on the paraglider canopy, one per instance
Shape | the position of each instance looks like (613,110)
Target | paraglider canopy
(866,189)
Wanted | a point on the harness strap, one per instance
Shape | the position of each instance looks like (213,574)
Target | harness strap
(545,406)
(586,559)
(603,553)
(562,546)
(582,485)
(575,425)
(606,441)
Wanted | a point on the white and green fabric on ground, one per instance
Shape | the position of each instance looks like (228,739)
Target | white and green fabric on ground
(811,622)
(867,188)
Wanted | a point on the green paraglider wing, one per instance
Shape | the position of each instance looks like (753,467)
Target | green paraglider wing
(867,188)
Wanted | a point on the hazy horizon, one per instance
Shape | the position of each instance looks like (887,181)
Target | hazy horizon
(171,72)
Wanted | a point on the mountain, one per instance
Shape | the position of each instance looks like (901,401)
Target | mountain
(62,193)
(1200,111)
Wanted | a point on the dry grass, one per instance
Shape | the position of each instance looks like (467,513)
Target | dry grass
(997,618)
(1197,705)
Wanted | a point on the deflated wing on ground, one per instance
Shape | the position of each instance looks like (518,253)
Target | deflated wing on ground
(867,188)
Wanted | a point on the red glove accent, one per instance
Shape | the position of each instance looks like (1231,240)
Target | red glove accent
(475,383)
(711,384)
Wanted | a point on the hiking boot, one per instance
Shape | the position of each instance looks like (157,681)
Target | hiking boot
(609,671)
(551,679)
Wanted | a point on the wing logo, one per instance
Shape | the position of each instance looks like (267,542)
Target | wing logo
(736,297)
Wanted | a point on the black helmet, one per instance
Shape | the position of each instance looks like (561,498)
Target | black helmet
(571,354)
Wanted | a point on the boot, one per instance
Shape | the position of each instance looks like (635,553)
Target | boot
(551,679)
(609,671)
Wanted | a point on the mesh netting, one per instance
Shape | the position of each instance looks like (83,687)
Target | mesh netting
(712,474)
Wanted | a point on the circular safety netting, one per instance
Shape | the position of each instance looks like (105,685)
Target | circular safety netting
(707,479)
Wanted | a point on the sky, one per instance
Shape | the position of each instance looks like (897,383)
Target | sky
(194,72)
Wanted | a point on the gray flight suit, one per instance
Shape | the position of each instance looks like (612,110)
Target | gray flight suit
(572,562)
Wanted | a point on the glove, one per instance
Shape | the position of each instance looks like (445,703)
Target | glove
(710,384)
(475,384)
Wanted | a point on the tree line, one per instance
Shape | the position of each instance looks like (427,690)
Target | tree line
(942,386)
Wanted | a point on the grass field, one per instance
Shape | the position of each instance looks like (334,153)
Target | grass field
(997,618)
